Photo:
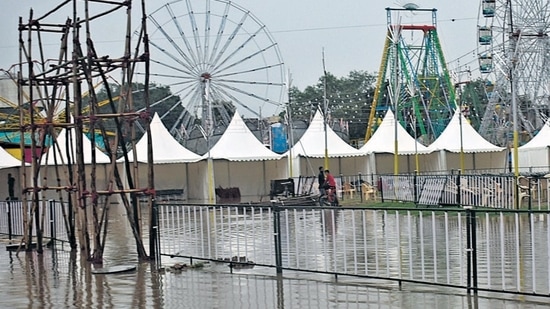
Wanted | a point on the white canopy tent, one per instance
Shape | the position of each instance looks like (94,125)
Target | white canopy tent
(7,160)
(171,160)
(309,152)
(57,155)
(9,165)
(381,148)
(534,157)
(166,149)
(241,160)
(459,136)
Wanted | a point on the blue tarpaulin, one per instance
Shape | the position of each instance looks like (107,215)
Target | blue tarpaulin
(279,140)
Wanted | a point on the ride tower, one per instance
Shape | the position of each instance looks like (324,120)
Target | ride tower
(513,52)
(413,79)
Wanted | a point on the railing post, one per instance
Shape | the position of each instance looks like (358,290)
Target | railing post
(9,219)
(277,237)
(154,247)
(458,189)
(53,231)
(341,187)
(380,187)
(415,186)
(360,184)
(471,249)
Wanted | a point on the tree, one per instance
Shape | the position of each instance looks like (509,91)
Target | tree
(161,98)
(349,99)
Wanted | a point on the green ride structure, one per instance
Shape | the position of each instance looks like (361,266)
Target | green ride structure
(413,79)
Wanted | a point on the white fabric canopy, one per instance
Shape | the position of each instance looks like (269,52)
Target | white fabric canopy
(541,140)
(166,149)
(472,141)
(7,160)
(479,154)
(309,152)
(535,155)
(61,153)
(238,143)
(239,160)
(381,148)
(382,141)
(312,143)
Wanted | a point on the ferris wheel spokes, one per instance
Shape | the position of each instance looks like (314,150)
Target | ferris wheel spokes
(241,58)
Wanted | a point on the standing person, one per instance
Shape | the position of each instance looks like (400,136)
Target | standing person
(321,180)
(330,183)
(11,185)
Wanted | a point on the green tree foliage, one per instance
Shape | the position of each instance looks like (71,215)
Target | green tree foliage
(161,101)
(349,100)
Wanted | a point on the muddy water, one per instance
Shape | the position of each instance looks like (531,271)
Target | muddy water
(59,279)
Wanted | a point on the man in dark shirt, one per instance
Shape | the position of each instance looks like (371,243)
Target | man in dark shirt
(11,185)
(321,180)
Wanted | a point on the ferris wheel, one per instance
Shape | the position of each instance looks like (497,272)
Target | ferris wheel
(215,57)
(514,49)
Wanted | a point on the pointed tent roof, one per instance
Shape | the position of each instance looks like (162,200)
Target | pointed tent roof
(61,155)
(471,140)
(166,149)
(238,143)
(382,140)
(312,143)
(7,160)
(541,140)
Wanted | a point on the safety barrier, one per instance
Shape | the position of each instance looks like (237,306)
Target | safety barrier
(491,191)
(473,249)
(50,212)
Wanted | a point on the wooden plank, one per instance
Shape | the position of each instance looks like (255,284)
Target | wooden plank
(114,269)
(14,247)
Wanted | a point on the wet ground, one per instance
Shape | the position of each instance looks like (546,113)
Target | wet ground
(58,279)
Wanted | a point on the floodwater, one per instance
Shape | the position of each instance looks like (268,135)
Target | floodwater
(59,279)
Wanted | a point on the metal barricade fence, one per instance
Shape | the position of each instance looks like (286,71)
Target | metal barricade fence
(473,249)
(12,214)
(490,191)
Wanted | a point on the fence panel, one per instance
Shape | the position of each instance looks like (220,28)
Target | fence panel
(51,212)
(220,233)
(398,188)
(491,191)
(416,245)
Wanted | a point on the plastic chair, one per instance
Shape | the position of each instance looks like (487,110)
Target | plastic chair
(524,188)
(368,192)
(348,189)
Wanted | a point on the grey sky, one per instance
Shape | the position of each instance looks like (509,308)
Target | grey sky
(350,31)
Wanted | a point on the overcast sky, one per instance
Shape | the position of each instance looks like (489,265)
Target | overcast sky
(351,32)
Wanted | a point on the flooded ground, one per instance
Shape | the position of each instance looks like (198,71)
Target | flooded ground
(60,279)
(57,279)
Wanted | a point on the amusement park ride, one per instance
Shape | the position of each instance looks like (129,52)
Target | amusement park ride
(413,79)
(514,52)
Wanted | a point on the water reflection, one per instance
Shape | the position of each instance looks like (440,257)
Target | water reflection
(60,279)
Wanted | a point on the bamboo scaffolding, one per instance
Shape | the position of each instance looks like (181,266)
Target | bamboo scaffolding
(60,81)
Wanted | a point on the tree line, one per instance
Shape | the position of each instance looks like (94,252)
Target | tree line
(349,100)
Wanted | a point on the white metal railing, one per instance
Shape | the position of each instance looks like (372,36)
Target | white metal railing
(51,212)
(407,245)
